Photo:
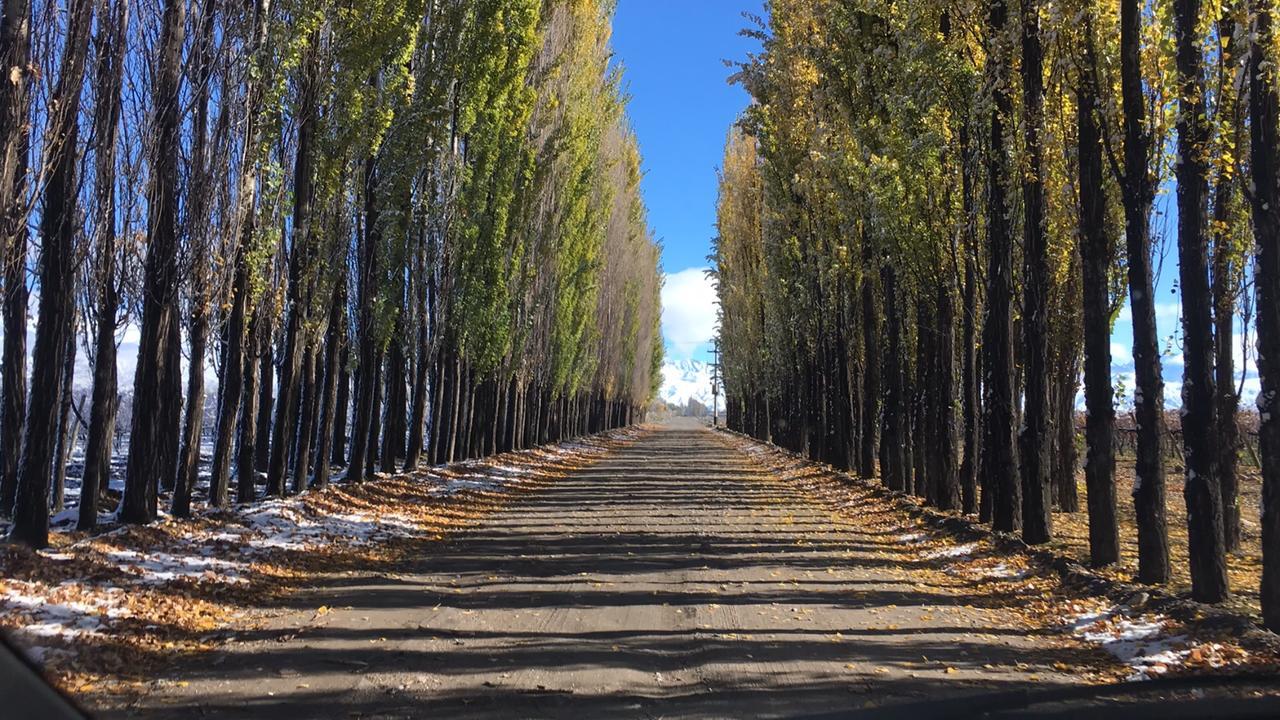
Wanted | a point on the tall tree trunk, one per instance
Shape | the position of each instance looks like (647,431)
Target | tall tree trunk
(1225,284)
(1264,113)
(333,375)
(266,394)
(871,360)
(198,326)
(1097,251)
(15,51)
(342,413)
(246,455)
(301,468)
(1138,188)
(421,363)
(367,367)
(948,479)
(284,430)
(108,82)
(999,448)
(57,287)
(66,439)
(969,349)
(1199,412)
(148,439)
(231,382)
(893,444)
(1037,499)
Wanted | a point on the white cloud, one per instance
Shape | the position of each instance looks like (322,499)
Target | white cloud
(1120,355)
(688,311)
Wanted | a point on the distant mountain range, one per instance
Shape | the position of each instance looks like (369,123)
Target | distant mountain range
(684,379)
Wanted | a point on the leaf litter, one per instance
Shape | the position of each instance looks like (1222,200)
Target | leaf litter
(1128,644)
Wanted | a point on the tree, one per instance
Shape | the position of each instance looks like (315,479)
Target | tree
(1199,412)
(148,434)
(1138,187)
(1037,519)
(57,287)
(1264,134)
(108,81)
(1097,250)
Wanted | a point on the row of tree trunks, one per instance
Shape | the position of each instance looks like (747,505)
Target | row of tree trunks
(54,341)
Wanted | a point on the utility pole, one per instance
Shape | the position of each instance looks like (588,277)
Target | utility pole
(715,384)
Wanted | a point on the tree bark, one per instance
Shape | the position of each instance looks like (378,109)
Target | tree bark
(15,50)
(198,325)
(1137,186)
(284,430)
(1202,491)
(999,441)
(57,287)
(1097,251)
(1264,112)
(1037,499)
(148,439)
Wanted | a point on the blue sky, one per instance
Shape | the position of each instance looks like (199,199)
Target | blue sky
(682,107)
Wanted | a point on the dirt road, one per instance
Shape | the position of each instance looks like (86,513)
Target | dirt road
(675,578)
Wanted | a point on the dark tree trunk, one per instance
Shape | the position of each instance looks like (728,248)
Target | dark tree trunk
(1037,499)
(15,51)
(234,356)
(266,393)
(57,288)
(102,413)
(333,376)
(421,363)
(893,445)
(1138,190)
(66,436)
(375,417)
(284,430)
(301,468)
(1225,284)
(149,440)
(1227,400)
(246,456)
(394,436)
(367,367)
(198,327)
(232,385)
(871,361)
(969,349)
(341,415)
(948,479)
(1264,113)
(1097,251)
(1000,457)
(1199,412)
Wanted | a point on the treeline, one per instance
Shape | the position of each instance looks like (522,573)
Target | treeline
(397,231)
(932,215)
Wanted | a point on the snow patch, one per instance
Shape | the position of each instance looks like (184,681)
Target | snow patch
(954,551)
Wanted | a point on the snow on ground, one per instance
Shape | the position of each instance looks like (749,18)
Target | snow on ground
(158,568)
(1001,571)
(1146,644)
(954,551)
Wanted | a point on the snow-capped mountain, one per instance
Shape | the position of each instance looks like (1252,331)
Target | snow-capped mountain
(684,379)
